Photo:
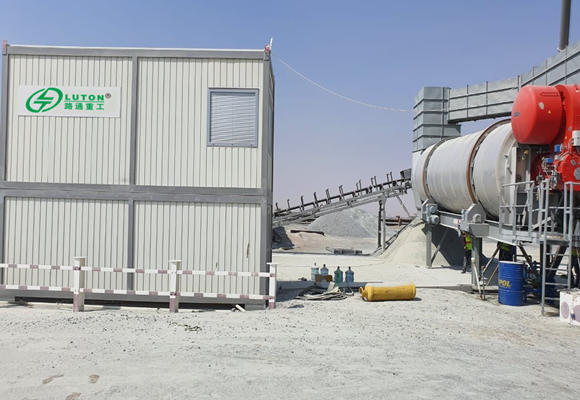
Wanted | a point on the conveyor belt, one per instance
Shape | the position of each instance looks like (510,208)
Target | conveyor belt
(305,212)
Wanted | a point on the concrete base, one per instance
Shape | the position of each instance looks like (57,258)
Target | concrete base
(300,285)
(255,307)
(156,301)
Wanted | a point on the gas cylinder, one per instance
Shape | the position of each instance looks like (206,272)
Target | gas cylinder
(323,270)
(338,275)
(382,293)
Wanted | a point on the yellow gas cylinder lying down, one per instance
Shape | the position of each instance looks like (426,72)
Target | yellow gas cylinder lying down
(382,293)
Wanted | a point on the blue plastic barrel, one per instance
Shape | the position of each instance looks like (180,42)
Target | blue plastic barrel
(511,283)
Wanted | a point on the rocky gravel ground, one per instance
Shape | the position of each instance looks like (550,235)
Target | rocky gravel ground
(447,343)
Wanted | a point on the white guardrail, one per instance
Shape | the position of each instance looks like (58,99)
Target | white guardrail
(174,272)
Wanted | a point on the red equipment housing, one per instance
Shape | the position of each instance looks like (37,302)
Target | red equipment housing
(537,115)
(549,116)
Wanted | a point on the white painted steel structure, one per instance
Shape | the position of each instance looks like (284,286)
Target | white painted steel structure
(143,188)
(53,231)
(55,150)
(466,170)
(172,113)
(439,110)
(493,166)
(506,204)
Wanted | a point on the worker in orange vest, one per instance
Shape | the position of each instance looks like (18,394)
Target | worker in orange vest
(467,247)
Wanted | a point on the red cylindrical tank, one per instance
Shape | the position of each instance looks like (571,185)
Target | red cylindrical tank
(537,115)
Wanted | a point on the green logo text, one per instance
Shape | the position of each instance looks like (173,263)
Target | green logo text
(44,100)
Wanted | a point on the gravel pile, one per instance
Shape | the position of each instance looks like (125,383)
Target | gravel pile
(409,246)
(353,222)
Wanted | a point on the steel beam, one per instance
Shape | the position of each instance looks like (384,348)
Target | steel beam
(131,52)
(428,245)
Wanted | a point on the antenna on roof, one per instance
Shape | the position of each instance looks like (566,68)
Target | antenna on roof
(268,47)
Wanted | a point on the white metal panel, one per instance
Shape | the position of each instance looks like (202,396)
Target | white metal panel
(44,231)
(270,135)
(418,173)
(449,172)
(65,149)
(172,126)
(448,175)
(491,169)
(204,236)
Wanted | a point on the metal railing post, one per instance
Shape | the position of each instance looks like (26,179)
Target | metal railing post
(565,219)
(383,224)
(530,194)
(79,279)
(174,285)
(428,244)
(272,286)
(513,210)
(571,207)
(544,238)
(570,232)
(544,257)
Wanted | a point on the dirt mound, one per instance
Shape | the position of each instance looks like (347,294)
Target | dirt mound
(353,222)
(409,246)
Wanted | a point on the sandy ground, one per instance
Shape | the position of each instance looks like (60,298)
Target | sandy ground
(313,243)
(292,267)
(305,242)
(446,344)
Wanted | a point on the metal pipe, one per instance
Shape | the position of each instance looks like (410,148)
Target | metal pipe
(384,227)
(477,248)
(379,226)
(526,256)
(565,25)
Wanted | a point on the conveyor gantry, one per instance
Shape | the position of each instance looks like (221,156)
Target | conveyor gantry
(375,192)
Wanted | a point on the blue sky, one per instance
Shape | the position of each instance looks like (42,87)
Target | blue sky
(380,52)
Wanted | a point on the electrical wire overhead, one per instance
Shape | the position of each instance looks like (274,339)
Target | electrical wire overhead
(332,92)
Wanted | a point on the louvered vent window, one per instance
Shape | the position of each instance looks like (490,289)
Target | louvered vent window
(233,118)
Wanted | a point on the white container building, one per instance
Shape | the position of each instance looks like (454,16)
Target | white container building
(133,157)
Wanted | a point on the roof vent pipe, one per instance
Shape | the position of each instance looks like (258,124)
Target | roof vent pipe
(565,25)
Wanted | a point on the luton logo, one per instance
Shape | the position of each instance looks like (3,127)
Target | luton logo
(44,100)
(53,100)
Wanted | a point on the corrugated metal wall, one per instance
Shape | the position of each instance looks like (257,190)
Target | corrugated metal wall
(205,237)
(270,127)
(65,149)
(172,123)
(270,158)
(52,231)
(171,151)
